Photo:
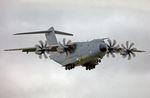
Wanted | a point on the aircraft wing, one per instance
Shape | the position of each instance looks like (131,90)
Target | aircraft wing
(32,49)
(52,48)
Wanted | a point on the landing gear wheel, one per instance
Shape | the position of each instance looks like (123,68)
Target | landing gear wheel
(66,68)
(69,67)
(89,67)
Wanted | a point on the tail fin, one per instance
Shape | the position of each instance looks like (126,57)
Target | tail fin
(50,35)
(51,38)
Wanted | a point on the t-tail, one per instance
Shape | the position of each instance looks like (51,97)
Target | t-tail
(50,35)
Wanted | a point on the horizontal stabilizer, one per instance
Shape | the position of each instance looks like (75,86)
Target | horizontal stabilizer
(43,32)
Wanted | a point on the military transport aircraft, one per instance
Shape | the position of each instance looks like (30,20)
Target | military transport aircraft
(71,54)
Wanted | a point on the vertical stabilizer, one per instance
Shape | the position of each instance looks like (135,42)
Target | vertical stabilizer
(51,38)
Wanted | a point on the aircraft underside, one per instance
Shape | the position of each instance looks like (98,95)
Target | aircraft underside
(87,65)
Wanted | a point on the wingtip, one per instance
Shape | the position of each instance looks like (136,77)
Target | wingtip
(18,33)
(140,51)
(71,34)
(7,50)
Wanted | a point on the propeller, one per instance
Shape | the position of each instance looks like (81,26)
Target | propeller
(67,47)
(128,50)
(112,48)
(41,49)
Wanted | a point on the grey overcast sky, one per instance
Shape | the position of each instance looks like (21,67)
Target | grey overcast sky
(26,76)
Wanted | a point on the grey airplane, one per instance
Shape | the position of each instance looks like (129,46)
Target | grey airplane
(72,54)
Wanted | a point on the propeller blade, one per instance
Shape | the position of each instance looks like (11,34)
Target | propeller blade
(109,41)
(134,49)
(69,41)
(41,42)
(45,44)
(114,43)
(117,47)
(123,46)
(64,41)
(129,56)
(45,56)
(37,46)
(133,54)
(132,44)
(61,44)
(112,55)
(127,44)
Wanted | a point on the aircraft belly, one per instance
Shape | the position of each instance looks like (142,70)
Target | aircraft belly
(63,59)
(84,53)
(57,57)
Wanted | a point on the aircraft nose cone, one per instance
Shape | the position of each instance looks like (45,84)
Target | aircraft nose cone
(103,48)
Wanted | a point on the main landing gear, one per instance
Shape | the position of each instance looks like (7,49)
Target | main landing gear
(69,67)
(89,66)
